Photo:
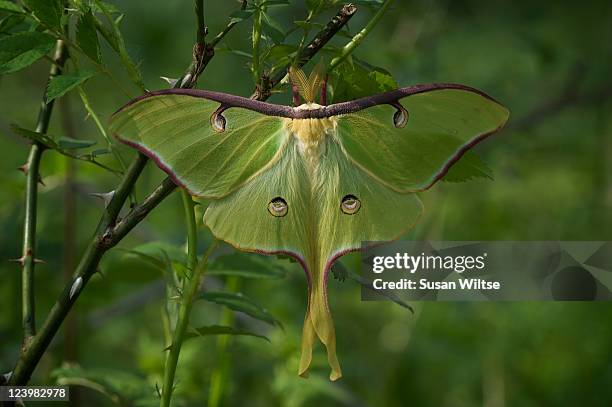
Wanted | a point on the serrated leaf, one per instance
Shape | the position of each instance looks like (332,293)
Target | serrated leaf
(273,29)
(61,84)
(49,12)
(21,50)
(10,7)
(354,80)
(68,143)
(221,330)
(241,303)
(469,166)
(87,36)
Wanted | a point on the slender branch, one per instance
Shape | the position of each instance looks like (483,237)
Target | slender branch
(138,213)
(360,36)
(318,42)
(190,287)
(28,258)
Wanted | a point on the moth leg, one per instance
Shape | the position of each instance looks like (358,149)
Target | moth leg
(323,97)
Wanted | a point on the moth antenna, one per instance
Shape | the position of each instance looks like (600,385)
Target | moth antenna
(299,80)
(315,78)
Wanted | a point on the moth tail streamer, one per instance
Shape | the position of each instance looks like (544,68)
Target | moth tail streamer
(319,324)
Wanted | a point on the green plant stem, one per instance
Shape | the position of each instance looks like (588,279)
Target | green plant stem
(360,36)
(28,259)
(191,285)
(219,375)
(257,19)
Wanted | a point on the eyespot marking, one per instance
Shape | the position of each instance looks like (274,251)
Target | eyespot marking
(350,204)
(278,207)
(400,117)
(217,120)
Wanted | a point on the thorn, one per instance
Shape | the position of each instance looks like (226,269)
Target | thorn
(25,168)
(76,286)
(20,260)
(171,81)
(6,377)
(39,261)
(40,181)
(157,389)
(104,196)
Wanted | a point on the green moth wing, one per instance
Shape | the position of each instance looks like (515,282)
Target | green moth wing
(439,127)
(314,226)
(312,182)
(175,131)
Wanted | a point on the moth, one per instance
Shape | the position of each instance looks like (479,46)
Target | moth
(311,181)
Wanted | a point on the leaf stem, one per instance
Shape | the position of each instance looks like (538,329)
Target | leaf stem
(28,258)
(191,285)
(360,36)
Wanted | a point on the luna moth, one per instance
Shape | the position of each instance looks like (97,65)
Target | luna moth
(309,181)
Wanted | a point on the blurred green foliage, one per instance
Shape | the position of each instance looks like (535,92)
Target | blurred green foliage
(549,62)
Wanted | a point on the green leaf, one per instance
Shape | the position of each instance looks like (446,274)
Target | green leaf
(44,139)
(354,80)
(87,36)
(470,166)
(241,303)
(273,3)
(61,84)
(241,15)
(10,7)
(248,265)
(21,50)
(68,143)
(273,29)
(115,40)
(10,21)
(119,386)
(221,330)
(49,12)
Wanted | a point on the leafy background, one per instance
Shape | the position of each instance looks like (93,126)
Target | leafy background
(552,167)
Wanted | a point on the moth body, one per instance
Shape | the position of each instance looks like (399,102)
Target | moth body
(311,134)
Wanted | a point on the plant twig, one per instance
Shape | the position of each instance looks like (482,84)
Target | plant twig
(314,46)
(190,287)
(360,36)
(28,258)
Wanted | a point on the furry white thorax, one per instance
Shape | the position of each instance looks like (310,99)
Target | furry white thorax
(311,134)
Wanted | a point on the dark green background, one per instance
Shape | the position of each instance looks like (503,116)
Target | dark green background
(549,62)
